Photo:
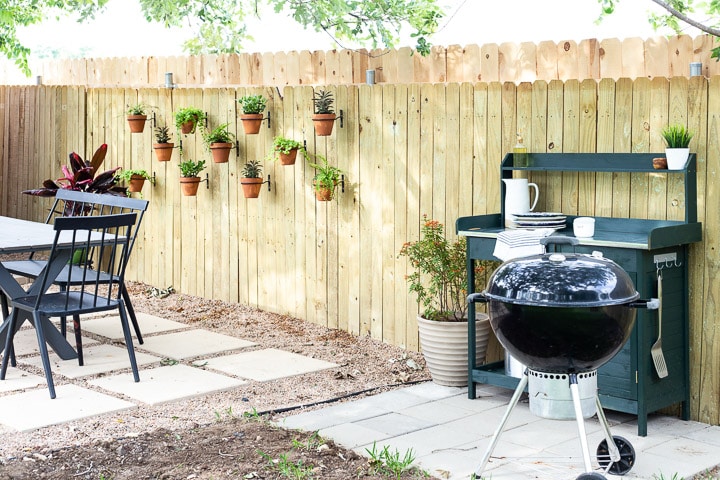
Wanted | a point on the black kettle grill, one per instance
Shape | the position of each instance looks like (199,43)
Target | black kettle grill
(564,314)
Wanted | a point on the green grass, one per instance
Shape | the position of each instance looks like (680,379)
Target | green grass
(390,463)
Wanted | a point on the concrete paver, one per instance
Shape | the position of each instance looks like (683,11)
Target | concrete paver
(192,343)
(267,364)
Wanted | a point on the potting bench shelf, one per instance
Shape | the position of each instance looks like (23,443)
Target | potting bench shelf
(629,382)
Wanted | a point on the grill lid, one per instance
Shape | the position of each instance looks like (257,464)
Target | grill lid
(561,280)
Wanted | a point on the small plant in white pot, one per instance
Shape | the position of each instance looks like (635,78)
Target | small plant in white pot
(677,140)
(439,280)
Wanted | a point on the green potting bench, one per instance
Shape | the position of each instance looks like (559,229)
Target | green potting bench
(629,382)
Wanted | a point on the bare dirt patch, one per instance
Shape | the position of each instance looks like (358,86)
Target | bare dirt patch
(209,437)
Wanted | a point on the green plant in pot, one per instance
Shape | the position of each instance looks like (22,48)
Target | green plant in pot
(162,146)
(324,116)
(437,275)
(219,141)
(189,176)
(326,179)
(251,181)
(285,150)
(187,118)
(135,178)
(252,107)
(677,140)
(136,117)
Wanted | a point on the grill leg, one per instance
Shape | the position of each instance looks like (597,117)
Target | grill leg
(575,391)
(612,447)
(496,436)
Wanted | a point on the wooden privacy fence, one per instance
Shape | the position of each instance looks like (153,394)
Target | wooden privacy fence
(507,62)
(407,150)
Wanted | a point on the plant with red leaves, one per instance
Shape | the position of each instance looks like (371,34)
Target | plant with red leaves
(81,176)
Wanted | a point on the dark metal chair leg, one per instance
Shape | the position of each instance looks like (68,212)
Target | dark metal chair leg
(6,314)
(128,342)
(44,354)
(78,339)
(131,314)
(8,345)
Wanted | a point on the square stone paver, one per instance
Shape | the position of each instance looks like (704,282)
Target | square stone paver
(17,379)
(98,359)
(192,343)
(110,327)
(164,384)
(35,409)
(25,341)
(268,364)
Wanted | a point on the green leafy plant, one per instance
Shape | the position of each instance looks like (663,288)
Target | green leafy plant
(162,135)
(390,463)
(326,176)
(323,101)
(283,145)
(138,109)
(126,174)
(219,134)
(439,278)
(252,169)
(252,104)
(188,168)
(283,466)
(189,114)
(676,136)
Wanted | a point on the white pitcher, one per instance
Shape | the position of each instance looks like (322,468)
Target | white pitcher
(517,197)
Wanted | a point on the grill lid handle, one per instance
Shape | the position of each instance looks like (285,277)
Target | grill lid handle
(559,240)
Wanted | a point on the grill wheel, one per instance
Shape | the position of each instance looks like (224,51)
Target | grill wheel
(627,456)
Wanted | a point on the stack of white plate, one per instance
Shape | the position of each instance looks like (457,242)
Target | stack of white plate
(531,220)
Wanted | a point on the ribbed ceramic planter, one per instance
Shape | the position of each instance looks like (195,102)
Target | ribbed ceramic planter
(445,348)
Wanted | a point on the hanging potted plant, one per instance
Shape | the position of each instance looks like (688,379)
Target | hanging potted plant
(285,150)
(187,118)
(324,117)
(439,280)
(251,179)
(252,107)
(189,176)
(219,141)
(677,139)
(136,117)
(326,179)
(135,178)
(162,146)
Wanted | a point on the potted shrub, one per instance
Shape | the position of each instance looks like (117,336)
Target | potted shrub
(285,150)
(219,141)
(251,179)
(324,117)
(439,280)
(677,140)
(163,147)
(187,118)
(326,179)
(135,178)
(136,117)
(189,176)
(252,107)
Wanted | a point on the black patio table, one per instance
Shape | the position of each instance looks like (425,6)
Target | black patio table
(22,236)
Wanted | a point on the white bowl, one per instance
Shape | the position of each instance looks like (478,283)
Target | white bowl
(584,227)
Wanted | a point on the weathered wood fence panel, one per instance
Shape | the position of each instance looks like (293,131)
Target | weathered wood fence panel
(508,62)
(407,150)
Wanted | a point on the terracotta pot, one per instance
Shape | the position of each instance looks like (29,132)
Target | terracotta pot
(288,158)
(187,127)
(324,194)
(445,348)
(251,187)
(163,151)
(136,183)
(251,122)
(189,185)
(221,152)
(323,123)
(136,123)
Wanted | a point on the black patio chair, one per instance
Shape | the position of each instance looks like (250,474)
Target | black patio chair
(100,240)
(72,203)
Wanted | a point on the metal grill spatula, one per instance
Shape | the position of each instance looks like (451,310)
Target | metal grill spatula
(656,349)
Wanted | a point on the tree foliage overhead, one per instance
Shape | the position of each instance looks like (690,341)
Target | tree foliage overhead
(219,25)
(681,13)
